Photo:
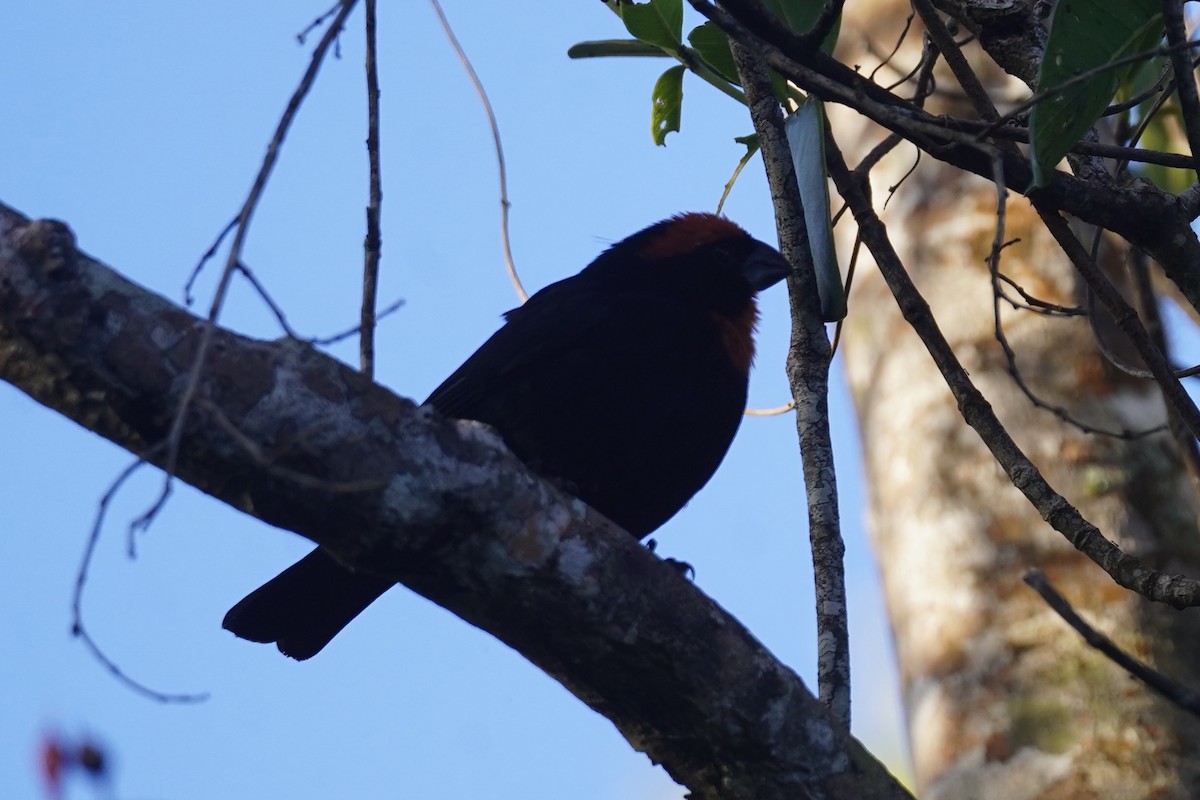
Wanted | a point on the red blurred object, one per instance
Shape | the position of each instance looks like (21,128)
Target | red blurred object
(59,758)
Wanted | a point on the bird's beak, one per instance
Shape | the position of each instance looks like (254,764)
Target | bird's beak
(765,267)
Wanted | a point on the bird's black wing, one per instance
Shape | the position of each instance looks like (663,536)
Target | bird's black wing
(551,324)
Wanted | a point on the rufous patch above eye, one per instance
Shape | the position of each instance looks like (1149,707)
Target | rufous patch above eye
(684,233)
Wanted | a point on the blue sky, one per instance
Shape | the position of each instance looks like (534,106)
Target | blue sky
(142,127)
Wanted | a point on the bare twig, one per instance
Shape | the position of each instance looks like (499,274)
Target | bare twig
(491,115)
(877,153)
(886,60)
(170,444)
(302,36)
(1181,696)
(1160,87)
(1082,77)
(1035,304)
(188,299)
(334,338)
(280,317)
(830,14)
(891,190)
(926,82)
(741,165)
(79,629)
(240,232)
(1034,398)
(1185,80)
(1014,372)
(937,31)
(1102,149)
(770,412)
(1146,216)
(1148,309)
(373,243)
(929,52)
(1124,315)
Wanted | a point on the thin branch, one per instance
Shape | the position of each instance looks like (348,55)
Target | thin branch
(275,308)
(741,165)
(831,13)
(1036,304)
(240,226)
(1123,314)
(887,60)
(241,230)
(79,629)
(1102,149)
(908,76)
(1146,216)
(770,412)
(877,153)
(1145,119)
(491,115)
(188,299)
(891,189)
(967,79)
(1126,570)
(302,36)
(993,261)
(808,373)
(1036,400)
(388,310)
(1160,87)
(373,243)
(1084,76)
(926,80)
(1178,694)
(1185,80)
(1148,309)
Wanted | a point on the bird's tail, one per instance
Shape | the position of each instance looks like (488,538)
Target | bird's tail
(302,608)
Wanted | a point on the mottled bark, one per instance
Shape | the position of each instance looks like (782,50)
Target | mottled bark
(1003,700)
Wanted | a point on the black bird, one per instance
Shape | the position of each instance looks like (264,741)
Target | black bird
(626,382)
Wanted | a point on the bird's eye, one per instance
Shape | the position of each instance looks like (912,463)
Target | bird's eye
(723,250)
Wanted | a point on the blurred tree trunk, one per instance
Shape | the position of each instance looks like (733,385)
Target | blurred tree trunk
(1002,699)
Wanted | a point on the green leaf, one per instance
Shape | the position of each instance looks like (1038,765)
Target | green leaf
(1084,36)
(668,100)
(750,141)
(1163,133)
(712,45)
(659,22)
(802,15)
(806,139)
(614,47)
(1142,77)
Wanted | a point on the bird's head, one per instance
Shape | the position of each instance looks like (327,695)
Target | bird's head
(700,255)
(702,258)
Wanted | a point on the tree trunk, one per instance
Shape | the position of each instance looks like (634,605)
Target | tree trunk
(1003,700)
